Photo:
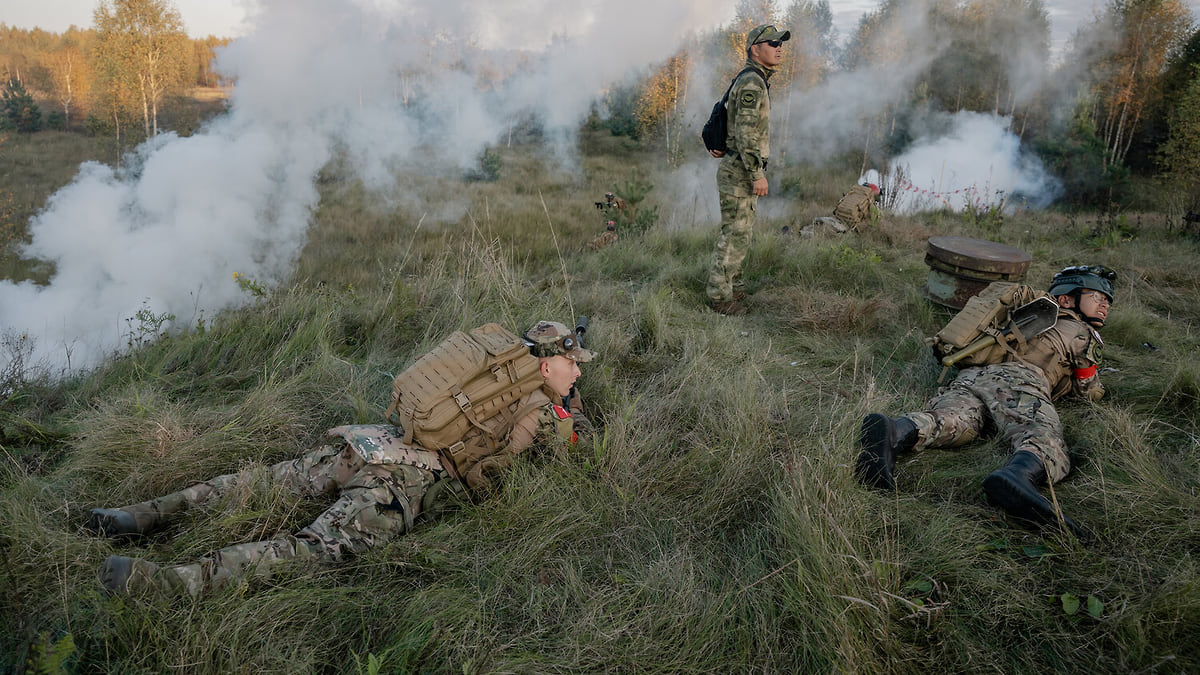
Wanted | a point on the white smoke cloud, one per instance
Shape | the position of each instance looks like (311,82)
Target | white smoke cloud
(974,160)
(390,83)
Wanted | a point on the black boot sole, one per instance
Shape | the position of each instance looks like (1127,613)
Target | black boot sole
(115,573)
(873,468)
(113,523)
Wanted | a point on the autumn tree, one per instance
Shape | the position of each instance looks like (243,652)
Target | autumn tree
(141,46)
(659,108)
(809,53)
(750,13)
(1125,82)
(69,76)
(205,52)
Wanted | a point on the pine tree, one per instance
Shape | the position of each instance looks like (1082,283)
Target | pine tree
(21,112)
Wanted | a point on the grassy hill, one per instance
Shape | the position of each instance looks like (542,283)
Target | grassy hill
(715,526)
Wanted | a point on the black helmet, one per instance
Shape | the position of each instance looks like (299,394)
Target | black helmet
(1076,277)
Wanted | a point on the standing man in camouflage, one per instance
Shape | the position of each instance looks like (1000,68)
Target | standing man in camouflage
(741,176)
(384,486)
(1013,397)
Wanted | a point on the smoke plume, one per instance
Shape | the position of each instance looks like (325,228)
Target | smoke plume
(392,85)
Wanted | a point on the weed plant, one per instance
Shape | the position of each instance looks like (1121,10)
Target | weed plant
(713,526)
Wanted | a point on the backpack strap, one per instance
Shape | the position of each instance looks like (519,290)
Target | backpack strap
(743,71)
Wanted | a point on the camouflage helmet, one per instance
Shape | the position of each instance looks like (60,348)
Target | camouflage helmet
(1077,277)
(551,338)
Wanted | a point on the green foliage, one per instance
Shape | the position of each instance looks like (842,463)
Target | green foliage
(1112,227)
(1179,157)
(987,217)
(621,104)
(51,657)
(249,286)
(634,218)
(147,326)
(489,167)
(19,111)
(1077,158)
(1071,604)
(56,120)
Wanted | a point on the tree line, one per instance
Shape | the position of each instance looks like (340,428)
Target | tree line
(113,78)
(1124,97)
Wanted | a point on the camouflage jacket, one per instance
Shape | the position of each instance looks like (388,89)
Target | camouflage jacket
(1068,356)
(749,111)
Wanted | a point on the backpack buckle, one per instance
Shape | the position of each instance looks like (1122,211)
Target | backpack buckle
(463,402)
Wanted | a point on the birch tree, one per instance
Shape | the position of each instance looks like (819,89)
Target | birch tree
(142,43)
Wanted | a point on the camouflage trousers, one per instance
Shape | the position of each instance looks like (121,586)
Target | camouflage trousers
(738,207)
(375,503)
(1012,398)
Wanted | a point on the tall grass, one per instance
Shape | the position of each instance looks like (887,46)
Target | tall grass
(712,526)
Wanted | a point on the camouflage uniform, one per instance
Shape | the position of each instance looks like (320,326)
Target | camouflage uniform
(384,487)
(605,238)
(745,161)
(1015,396)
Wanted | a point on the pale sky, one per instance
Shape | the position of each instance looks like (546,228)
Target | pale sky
(227,18)
(222,18)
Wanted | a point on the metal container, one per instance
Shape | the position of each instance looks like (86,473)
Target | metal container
(960,267)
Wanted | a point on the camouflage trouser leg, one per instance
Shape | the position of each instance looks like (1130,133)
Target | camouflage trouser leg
(738,206)
(321,471)
(377,504)
(1009,396)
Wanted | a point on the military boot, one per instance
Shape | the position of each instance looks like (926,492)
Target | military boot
(883,438)
(125,522)
(122,575)
(1014,488)
(145,517)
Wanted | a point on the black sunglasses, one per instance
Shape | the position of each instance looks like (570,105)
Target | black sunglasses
(773,43)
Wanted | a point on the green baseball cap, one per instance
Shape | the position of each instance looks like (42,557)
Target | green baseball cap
(766,33)
(551,338)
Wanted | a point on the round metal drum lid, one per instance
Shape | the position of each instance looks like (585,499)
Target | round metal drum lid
(979,254)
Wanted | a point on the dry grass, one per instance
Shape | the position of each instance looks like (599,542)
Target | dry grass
(714,526)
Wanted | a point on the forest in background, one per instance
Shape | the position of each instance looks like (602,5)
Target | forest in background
(1124,99)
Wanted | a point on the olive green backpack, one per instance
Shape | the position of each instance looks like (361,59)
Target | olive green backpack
(984,314)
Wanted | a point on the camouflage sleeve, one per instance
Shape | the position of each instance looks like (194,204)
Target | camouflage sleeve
(550,425)
(558,424)
(749,109)
(1086,375)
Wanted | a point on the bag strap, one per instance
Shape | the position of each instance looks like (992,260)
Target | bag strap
(743,71)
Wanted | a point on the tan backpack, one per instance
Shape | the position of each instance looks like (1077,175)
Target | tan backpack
(855,206)
(983,314)
(463,397)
